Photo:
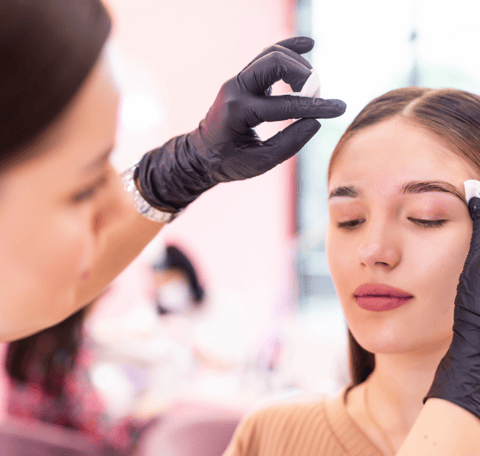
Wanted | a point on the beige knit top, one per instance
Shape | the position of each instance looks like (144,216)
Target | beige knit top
(318,426)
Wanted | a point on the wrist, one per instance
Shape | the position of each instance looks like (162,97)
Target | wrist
(174,175)
(132,184)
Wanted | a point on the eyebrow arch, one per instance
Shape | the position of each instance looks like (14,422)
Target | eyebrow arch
(412,187)
(345,190)
(431,186)
(98,162)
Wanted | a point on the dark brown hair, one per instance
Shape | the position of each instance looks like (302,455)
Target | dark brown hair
(453,116)
(47,49)
(175,258)
(47,357)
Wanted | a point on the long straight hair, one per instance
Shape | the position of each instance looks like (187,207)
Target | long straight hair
(453,116)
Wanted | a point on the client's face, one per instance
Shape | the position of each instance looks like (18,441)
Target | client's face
(397,219)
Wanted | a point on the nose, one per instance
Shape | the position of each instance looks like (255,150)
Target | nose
(112,204)
(380,247)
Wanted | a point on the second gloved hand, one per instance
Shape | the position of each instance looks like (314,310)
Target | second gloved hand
(225,146)
(458,376)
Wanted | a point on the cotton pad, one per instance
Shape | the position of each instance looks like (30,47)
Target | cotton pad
(311,88)
(472,188)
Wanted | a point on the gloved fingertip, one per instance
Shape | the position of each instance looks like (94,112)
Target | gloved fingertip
(340,106)
(299,44)
(306,40)
(474,208)
(329,108)
(311,126)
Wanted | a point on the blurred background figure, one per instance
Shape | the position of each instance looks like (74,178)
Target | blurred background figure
(206,322)
(176,286)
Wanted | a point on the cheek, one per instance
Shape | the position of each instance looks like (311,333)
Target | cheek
(438,264)
(39,267)
(341,258)
(67,243)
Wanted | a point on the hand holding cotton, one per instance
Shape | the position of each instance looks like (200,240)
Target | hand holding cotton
(472,188)
(225,146)
(311,88)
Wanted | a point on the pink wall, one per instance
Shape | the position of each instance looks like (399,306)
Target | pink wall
(240,232)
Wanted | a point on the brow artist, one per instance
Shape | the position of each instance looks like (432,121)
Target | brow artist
(70,225)
(66,237)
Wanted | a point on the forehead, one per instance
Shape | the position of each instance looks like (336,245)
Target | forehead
(84,131)
(395,151)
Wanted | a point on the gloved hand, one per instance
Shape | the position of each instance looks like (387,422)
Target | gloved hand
(225,146)
(458,376)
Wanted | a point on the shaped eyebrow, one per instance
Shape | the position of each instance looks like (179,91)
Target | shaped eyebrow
(412,187)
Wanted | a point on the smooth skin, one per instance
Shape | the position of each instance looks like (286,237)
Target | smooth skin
(417,242)
(71,229)
(66,216)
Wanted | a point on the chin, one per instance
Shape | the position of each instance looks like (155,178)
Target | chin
(387,339)
(407,329)
(381,342)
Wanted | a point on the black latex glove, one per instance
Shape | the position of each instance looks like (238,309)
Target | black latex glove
(225,146)
(458,376)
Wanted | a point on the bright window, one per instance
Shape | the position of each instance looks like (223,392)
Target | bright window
(364,49)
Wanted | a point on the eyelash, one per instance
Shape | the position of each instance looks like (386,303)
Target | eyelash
(89,192)
(352,224)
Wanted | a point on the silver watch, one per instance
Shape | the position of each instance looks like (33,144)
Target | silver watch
(142,206)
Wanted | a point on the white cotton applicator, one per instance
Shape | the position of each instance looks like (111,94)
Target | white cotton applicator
(311,88)
(472,188)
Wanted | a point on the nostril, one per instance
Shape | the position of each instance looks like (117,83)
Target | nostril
(98,222)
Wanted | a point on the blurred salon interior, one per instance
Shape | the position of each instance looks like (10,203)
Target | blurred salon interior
(231,305)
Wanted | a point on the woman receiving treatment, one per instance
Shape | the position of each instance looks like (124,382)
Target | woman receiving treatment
(68,226)
(398,236)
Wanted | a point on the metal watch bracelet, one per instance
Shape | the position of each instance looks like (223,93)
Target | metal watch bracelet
(142,206)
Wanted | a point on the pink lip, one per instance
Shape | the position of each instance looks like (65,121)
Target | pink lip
(379,297)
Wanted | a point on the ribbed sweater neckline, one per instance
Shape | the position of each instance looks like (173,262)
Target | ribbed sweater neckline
(346,430)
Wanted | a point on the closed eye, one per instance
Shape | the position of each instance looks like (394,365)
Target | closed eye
(427,223)
(90,192)
(350,224)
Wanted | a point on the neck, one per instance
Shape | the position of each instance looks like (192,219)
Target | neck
(398,385)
